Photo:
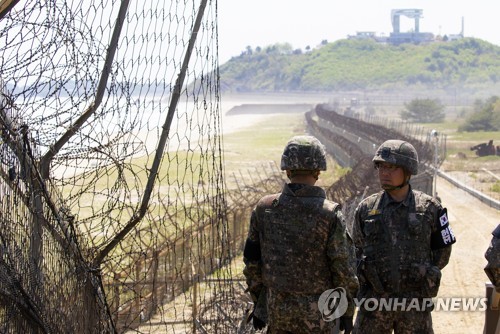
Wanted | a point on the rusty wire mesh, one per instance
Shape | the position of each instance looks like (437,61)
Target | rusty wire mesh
(111,176)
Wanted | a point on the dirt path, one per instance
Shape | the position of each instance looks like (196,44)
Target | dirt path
(472,223)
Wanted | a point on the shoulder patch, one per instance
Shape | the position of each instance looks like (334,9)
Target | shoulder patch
(443,236)
(443,217)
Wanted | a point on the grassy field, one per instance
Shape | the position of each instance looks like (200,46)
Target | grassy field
(462,141)
(460,162)
(262,144)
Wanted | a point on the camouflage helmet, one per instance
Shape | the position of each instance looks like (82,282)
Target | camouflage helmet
(304,153)
(398,152)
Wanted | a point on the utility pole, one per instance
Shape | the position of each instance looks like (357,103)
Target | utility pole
(435,138)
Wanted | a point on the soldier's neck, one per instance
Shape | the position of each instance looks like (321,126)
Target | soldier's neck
(303,179)
(399,195)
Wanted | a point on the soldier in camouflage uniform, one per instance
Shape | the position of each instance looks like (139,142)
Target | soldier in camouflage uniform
(403,240)
(493,256)
(492,269)
(298,247)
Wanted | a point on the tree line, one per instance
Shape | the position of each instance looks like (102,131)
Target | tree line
(363,64)
(484,117)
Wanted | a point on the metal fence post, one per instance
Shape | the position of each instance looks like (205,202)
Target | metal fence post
(492,314)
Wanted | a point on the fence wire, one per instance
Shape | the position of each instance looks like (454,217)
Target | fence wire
(111,164)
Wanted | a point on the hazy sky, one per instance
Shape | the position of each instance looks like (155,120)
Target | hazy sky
(302,23)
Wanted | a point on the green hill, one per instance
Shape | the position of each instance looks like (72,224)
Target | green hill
(364,65)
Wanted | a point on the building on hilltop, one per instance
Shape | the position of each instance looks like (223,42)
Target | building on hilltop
(414,36)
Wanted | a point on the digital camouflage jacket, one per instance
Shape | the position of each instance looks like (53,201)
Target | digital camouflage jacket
(298,246)
(401,246)
(493,256)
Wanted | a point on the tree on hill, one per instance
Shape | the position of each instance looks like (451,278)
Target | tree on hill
(486,116)
(423,111)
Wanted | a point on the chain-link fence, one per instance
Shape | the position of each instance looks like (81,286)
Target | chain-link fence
(111,171)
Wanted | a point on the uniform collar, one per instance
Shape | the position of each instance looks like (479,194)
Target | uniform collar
(303,190)
(387,199)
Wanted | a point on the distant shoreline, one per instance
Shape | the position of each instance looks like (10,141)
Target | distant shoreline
(269,108)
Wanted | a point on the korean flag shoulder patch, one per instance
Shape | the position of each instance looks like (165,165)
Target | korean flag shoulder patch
(443,235)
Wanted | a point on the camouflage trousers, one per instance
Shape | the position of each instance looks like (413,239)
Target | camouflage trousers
(295,314)
(384,322)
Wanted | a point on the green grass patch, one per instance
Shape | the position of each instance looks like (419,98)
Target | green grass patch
(442,127)
(263,143)
(461,142)
(479,136)
(265,140)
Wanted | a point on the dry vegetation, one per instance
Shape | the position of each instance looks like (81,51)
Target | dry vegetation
(480,173)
